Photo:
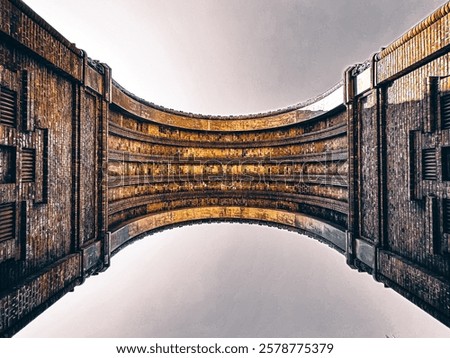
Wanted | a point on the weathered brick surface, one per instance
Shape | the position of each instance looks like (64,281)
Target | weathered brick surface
(20,23)
(425,40)
(150,163)
(17,307)
(58,144)
(46,228)
(369,159)
(154,167)
(80,156)
(408,99)
(89,166)
(421,286)
(283,117)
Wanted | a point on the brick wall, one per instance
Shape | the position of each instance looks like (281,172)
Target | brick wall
(86,167)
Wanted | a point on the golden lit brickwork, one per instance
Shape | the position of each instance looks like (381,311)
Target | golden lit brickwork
(87,167)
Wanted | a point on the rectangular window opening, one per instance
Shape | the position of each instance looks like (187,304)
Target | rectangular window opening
(446,163)
(7,164)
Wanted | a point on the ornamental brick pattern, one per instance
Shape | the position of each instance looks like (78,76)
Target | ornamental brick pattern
(87,167)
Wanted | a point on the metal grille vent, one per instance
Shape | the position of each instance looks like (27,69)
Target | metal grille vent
(7,106)
(7,220)
(445,111)
(446,215)
(28,165)
(429,164)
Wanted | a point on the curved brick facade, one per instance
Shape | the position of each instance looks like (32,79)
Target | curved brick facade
(87,167)
(294,161)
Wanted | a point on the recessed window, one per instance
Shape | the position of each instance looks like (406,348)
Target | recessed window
(446,163)
(429,165)
(7,164)
(446,215)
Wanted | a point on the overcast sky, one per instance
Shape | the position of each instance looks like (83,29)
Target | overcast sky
(231,57)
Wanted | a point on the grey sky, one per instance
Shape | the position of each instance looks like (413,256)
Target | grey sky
(228,57)
(231,56)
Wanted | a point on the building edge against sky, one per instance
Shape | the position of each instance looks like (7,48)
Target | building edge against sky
(367,175)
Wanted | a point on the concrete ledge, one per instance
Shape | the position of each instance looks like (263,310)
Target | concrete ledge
(365,252)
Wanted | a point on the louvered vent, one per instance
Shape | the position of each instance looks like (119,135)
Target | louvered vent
(445,111)
(28,165)
(446,215)
(7,106)
(429,166)
(7,222)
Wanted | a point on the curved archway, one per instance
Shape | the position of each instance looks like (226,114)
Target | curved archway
(287,167)
(327,233)
(86,166)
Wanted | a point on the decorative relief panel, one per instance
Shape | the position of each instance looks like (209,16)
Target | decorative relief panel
(22,160)
(368,160)
(430,163)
